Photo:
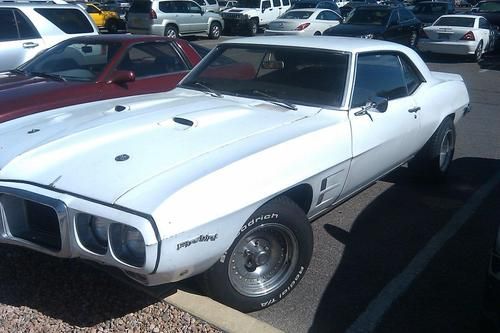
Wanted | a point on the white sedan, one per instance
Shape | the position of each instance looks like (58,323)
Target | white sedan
(223,175)
(304,22)
(460,35)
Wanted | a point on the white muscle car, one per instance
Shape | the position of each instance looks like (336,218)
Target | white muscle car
(222,175)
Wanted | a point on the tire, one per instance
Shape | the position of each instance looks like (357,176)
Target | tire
(434,159)
(317,33)
(478,54)
(215,30)
(112,26)
(171,31)
(413,39)
(253,27)
(251,275)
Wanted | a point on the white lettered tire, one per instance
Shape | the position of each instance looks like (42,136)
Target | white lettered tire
(266,260)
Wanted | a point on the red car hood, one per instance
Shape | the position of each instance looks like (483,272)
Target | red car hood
(18,93)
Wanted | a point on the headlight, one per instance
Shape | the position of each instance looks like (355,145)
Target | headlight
(93,232)
(127,244)
(367,36)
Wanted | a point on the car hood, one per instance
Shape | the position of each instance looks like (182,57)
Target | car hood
(103,149)
(18,91)
(354,30)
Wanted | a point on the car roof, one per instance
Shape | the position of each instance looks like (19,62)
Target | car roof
(121,38)
(462,15)
(432,2)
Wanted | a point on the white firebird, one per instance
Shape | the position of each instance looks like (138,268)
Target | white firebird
(222,175)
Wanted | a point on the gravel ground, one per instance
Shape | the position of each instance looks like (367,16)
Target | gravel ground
(39,293)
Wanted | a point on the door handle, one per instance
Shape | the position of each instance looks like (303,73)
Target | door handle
(30,45)
(414,110)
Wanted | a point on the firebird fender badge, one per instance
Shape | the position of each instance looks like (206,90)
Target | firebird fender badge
(199,239)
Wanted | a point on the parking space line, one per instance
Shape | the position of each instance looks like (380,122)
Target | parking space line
(371,317)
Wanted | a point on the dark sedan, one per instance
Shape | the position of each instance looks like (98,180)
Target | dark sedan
(429,11)
(86,69)
(396,24)
(490,10)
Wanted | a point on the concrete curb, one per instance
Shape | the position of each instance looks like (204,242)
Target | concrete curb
(217,314)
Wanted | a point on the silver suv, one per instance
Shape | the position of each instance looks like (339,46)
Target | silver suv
(28,28)
(173,18)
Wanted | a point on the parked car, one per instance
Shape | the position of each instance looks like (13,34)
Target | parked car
(86,69)
(261,140)
(347,8)
(120,7)
(173,18)
(316,4)
(209,5)
(304,22)
(251,15)
(105,19)
(226,4)
(395,24)
(459,34)
(429,11)
(490,10)
(28,28)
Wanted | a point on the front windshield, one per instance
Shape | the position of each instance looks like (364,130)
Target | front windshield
(368,16)
(489,7)
(249,3)
(73,61)
(300,15)
(430,8)
(299,75)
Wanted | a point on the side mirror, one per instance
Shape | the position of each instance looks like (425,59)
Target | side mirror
(378,103)
(121,77)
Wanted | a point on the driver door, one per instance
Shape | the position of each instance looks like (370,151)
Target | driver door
(381,139)
(268,13)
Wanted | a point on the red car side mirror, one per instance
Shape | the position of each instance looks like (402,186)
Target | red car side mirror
(120,77)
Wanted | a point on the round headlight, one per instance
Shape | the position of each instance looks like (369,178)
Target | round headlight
(127,244)
(100,230)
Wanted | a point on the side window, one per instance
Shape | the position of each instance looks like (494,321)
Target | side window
(328,16)
(194,8)
(212,2)
(151,59)
(8,29)
(276,3)
(370,69)
(70,21)
(483,24)
(286,2)
(266,4)
(167,6)
(394,20)
(405,15)
(180,7)
(26,29)
(200,2)
(92,10)
(410,75)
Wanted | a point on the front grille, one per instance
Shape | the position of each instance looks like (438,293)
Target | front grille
(31,221)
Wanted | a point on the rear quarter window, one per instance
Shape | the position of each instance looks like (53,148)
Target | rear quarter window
(70,21)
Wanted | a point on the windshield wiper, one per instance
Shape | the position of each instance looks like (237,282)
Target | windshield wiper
(17,71)
(207,89)
(47,75)
(275,100)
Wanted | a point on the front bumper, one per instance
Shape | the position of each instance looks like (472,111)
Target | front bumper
(240,23)
(448,47)
(44,220)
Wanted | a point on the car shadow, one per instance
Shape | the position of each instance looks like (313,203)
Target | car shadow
(491,61)
(67,289)
(388,234)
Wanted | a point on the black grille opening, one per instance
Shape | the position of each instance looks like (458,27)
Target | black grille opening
(32,221)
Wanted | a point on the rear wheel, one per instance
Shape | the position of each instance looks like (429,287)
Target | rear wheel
(478,54)
(266,260)
(112,26)
(317,33)
(171,31)
(434,159)
(215,30)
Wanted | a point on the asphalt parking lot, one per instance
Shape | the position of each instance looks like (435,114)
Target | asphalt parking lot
(363,275)
(403,256)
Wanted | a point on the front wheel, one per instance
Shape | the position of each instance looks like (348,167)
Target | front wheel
(266,260)
(253,27)
(434,160)
(171,31)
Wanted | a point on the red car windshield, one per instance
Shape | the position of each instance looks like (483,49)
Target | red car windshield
(73,61)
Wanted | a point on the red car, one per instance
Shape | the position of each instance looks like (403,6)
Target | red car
(91,68)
